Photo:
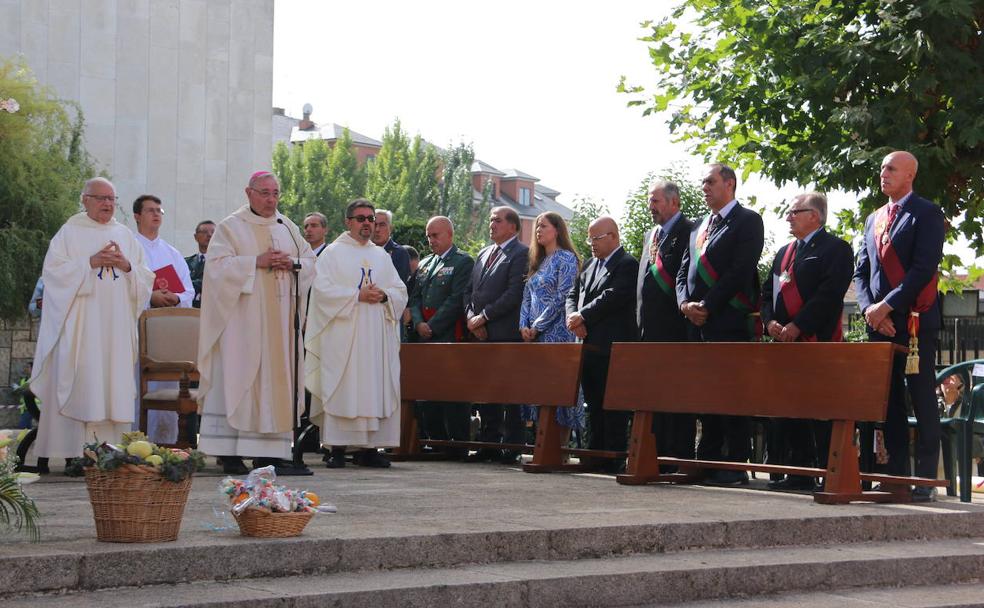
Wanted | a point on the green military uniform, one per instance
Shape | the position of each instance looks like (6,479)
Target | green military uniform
(438,299)
(440,291)
(196,264)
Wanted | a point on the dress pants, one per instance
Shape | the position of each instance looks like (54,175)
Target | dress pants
(922,392)
(607,430)
(724,437)
(501,423)
(443,420)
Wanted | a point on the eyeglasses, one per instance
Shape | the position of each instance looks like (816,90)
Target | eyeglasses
(798,211)
(592,239)
(363,218)
(267,193)
(102,198)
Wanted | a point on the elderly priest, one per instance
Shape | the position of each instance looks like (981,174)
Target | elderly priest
(353,343)
(95,287)
(245,347)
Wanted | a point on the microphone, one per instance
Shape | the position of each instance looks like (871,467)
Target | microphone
(297,264)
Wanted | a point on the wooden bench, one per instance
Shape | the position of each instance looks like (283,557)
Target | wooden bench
(547,375)
(841,382)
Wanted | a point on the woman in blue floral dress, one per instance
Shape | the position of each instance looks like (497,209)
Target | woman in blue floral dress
(553,268)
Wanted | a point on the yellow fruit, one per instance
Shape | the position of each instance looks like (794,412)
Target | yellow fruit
(154,460)
(140,449)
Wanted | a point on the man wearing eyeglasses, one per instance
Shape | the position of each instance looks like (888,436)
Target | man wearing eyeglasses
(718,290)
(601,309)
(803,301)
(95,286)
(353,343)
(246,348)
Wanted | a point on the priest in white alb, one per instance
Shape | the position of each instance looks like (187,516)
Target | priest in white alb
(245,344)
(95,286)
(353,343)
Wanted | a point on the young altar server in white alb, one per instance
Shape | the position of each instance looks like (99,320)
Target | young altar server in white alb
(245,344)
(352,367)
(95,287)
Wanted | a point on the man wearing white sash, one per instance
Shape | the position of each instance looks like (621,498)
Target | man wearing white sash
(95,287)
(353,343)
(245,344)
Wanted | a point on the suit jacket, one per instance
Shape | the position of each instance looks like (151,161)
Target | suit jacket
(657,313)
(823,270)
(401,259)
(917,237)
(733,251)
(197,269)
(442,284)
(608,303)
(498,291)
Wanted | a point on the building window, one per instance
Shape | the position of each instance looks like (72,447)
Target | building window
(524,197)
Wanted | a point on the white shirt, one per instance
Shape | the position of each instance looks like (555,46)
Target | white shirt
(158,254)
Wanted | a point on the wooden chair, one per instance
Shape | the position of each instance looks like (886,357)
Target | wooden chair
(168,352)
(840,382)
(513,373)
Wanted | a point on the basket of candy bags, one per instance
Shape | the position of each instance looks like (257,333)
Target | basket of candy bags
(137,489)
(267,510)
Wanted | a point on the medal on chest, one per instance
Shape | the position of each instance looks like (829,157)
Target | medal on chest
(785,277)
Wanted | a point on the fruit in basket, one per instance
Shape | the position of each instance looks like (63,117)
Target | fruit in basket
(179,453)
(315,501)
(154,460)
(140,449)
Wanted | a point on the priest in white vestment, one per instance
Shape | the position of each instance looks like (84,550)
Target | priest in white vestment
(353,343)
(162,426)
(245,345)
(95,286)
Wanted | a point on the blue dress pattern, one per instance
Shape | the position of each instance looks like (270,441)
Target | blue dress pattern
(544,300)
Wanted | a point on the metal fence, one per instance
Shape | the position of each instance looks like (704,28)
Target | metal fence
(960,338)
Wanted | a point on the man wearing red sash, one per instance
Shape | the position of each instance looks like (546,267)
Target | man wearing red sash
(803,301)
(657,313)
(717,290)
(895,279)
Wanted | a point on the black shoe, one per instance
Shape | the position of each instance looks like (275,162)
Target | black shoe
(727,478)
(287,468)
(510,457)
(924,494)
(484,455)
(233,465)
(793,483)
(335,459)
(43,466)
(614,467)
(372,458)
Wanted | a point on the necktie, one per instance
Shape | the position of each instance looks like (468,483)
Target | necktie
(493,256)
(201,258)
(654,246)
(715,223)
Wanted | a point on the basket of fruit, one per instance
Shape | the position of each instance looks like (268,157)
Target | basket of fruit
(138,490)
(266,510)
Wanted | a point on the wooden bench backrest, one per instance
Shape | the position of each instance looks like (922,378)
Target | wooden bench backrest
(820,381)
(542,374)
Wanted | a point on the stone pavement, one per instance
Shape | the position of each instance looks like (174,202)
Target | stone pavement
(488,528)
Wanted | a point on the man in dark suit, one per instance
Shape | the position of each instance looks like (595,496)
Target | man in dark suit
(437,312)
(382,236)
(895,280)
(803,301)
(600,311)
(657,313)
(492,311)
(315,229)
(717,290)
(196,262)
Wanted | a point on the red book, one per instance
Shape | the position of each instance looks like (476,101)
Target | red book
(167,278)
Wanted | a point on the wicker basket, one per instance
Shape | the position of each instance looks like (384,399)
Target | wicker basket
(264,524)
(134,504)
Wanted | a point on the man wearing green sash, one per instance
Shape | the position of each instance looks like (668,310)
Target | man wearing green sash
(657,312)
(717,290)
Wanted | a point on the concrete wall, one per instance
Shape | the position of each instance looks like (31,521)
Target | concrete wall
(176,93)
(17,340)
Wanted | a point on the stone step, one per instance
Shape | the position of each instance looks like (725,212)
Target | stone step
(962,595)
(88,565)
(635,580)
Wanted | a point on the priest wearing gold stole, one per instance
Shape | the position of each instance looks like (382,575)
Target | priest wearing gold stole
(245,345)
(353,343)
(95,286)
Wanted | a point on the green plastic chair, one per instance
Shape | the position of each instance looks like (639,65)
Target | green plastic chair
(962,421)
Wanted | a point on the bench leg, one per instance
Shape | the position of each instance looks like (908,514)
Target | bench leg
(409,444)
(546,452)
(842,483)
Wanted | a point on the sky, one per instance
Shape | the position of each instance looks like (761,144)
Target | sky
(531,85)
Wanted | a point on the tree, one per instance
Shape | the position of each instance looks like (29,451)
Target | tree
(458,197)
(637,218)
(43,166)
(388,174)
(818,92)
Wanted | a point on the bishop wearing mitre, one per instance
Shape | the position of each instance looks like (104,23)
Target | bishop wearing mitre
(95,287)
(352,368)
(247,389)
